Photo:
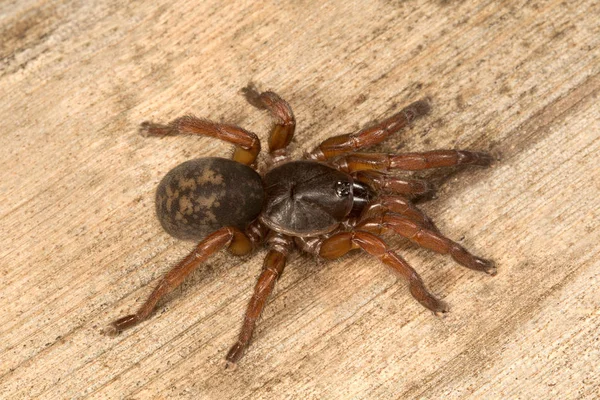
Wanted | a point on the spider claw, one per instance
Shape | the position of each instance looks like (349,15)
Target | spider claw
(252,96)
(230,365)
(487,266)
(491,269)
(483,159)
(143,128)
(421,107)
(147,129)
(235,353)
(438,307)
(442,309)
(121,324)
(110,330)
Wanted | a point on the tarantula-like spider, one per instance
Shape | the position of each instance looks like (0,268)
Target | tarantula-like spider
(334,200)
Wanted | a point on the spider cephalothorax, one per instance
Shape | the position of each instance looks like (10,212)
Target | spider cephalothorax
(335,200)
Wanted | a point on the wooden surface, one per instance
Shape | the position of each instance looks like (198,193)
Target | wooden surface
(80,245)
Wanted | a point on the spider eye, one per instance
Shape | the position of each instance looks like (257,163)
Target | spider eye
(342,189)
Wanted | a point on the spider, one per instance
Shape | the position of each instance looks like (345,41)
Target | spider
(334,200)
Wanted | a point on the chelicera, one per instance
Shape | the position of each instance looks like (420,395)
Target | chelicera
(334,200)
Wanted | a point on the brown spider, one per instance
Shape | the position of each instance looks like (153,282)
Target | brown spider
(333,201)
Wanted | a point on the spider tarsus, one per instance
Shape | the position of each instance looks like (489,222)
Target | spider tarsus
(487,266)
(234,355)
(110,330)
(491,268)
(442,308)
(481,159)
(494,157)
(147,129)
(252,95)
(229,365)
(121,324)
(143,128)
(442,313)
(421,107)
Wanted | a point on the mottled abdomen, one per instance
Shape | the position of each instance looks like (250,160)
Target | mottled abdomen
(202,195)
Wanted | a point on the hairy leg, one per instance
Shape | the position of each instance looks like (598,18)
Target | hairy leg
(247,143)
(428,238)
(280,247)
(340,243)
(381,182)
(355,162)
(399,205)
(285,123)
(371,136)
(237,242)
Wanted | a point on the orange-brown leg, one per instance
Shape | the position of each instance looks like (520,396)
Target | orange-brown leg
(237,242)
(430,239)
(285,123)
(371,136)
(355,162)
(272,270)
(340,243)
(399,205)
(247,143)
(381,182)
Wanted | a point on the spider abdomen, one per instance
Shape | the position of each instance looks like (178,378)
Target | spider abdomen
(200,196)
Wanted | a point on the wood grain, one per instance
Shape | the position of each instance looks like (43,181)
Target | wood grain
(80,245)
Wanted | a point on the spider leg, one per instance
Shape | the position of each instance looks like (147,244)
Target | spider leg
(237,243)
(272,269)
(371,136)
(381,182)
(340,243)
(399,205)
(427,238)
(247,143)
(285,123)
(355,162)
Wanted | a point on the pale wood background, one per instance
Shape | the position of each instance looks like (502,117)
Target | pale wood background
(80,245)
